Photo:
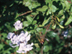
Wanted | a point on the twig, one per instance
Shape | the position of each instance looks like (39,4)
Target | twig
(41,50)
(4,41)
(25,13)
(13,53)
(43,36)
(69,1)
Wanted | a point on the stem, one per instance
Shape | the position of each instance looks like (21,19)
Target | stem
(41,50)
(25,13)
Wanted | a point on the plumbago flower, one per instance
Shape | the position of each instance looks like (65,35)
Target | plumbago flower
(24,48)
(20,40)
(10,35)
(18,25)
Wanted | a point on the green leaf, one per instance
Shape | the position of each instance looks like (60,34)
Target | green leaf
(50,46)
(71,9)
(48,1)
(59,25)
(26,23)
(39,29)
(17,15)
(67,5)
(58,19)
(1,46)
(62,18)
(52,34)
(56,0)
(31,52)
(69,20)
(29,19)
(44,8)
(46,48)
(13,29)
(45,43)
(54,26)
(4,35)
(60,12)
(34,22)
(11,5)
(45,21)
(53,8)
(36,45)
(1,27)
(27,3)
(31,5)
(35,26)
(44,31)
(57,38)
(38,49)
(49,12)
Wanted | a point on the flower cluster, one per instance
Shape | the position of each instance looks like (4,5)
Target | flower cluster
(20,40)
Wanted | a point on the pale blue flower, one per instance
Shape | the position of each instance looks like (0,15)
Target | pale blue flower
(10,35)
(18,25)
(24,48)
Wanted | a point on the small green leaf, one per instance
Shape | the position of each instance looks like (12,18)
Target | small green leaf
(45,43)
(39,29)
(67,5)
(69,20)
(26,23)
(47,1)
(44,8)
(4,35)
(56,0)
(58,19)
(62,18)
(49,12)
(54,26)
(44,30)
(36,45)
(29,19)
(1,46)
(45,22)
(34,22)
(59,25)
(60,12)
(31,52)
(35,26)
(52,34)
(46,48)
(27,3)
(38,49)
(53,8)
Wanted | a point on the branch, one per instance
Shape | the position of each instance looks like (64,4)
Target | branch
(41,50)
(4,41)
(69,1)
(25,13)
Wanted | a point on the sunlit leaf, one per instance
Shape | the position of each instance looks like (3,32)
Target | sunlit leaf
(46,48)
(69,20)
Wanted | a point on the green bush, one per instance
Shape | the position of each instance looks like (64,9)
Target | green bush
(48,21)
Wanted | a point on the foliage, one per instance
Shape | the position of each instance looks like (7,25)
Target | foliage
(46,20)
